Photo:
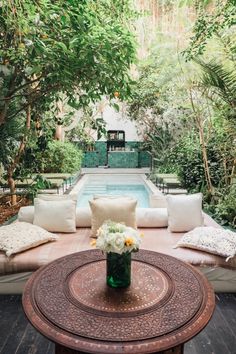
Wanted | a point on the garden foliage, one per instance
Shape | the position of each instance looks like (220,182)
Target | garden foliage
(186,109)
(61,157)
(78,50)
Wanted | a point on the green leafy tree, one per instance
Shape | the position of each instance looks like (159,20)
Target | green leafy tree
(160,104)
(218,85)
(186,109)
(218,23)
(219,82)
(81,49)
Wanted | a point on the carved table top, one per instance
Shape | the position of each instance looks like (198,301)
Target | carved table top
(167,303)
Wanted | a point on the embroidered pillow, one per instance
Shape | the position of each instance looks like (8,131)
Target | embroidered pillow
(21,236)
(210,239)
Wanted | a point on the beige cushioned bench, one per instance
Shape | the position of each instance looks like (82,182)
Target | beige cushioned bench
(15,270)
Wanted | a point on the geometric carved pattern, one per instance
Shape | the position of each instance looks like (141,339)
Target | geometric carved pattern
(167,303)
(149,288)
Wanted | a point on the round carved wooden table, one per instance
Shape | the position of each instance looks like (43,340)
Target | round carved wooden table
(167,303)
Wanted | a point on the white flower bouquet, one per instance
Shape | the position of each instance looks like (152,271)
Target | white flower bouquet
(117,238)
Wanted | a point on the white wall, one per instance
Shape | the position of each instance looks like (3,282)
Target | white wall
(119,121)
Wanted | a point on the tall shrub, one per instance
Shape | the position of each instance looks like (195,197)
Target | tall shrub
(62,157)
(187,156)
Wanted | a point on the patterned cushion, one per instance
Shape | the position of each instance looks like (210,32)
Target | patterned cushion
(210,239)
(21,236)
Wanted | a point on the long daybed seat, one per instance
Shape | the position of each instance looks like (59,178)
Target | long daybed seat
(16,270)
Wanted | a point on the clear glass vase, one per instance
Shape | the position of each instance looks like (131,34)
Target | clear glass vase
(118,269)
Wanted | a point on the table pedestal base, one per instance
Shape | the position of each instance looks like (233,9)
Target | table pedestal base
(63,350)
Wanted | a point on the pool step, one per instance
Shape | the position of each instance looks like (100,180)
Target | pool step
(116,179)
(95,189)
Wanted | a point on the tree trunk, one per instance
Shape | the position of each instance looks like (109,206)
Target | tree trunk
(12,187)
(12,167)
(58,133)
(232,176)
(198,122)
(205,159)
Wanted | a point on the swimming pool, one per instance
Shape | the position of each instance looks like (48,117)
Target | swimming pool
(135,186)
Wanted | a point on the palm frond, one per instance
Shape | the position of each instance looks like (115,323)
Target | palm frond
(219,81)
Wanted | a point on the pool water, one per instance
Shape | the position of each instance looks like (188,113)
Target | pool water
(137,191)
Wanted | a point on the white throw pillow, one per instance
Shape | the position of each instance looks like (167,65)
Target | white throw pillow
(83,217)
(115,209)
(184,212)
(157,200)
(26,214)
(21,236)
(151,217)
(210,239)
(56,216)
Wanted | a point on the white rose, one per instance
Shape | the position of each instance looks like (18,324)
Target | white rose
(119,242)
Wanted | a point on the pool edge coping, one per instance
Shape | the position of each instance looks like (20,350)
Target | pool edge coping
(148,184)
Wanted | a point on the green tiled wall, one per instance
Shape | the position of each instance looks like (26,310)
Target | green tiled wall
(91,159)
(132,144)
(123,159)
(101,148)
(144,159)
(118,159)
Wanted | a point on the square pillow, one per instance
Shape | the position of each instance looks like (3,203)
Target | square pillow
(184,212)
(21,236)
(115,209)
(27,213)
(210,239)
(55,215)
